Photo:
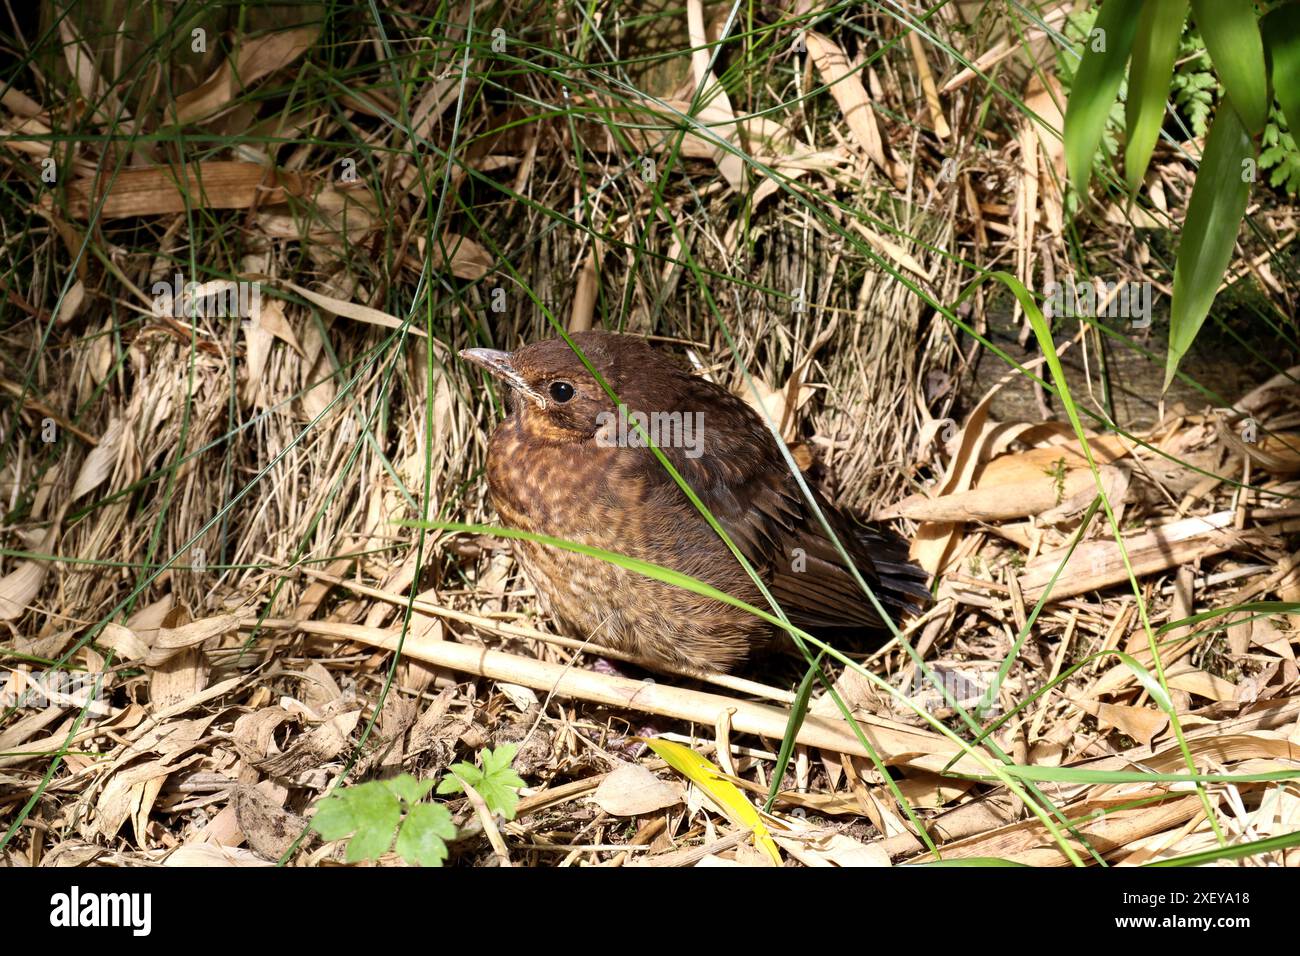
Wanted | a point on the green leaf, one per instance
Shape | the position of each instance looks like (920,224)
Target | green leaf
(1150,684)
(1105,54)
(1158,31)
(424,831)
(408,788)
(496,783)
(1231,33)
(656,572)
(377,813)
(1210,231)
(1265,607)
(369,811)
(333,819)
(1194,95)
(797,713)
(1281,29)
(370,814)
(495,761)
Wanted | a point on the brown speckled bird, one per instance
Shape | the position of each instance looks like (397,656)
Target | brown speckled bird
(560,464)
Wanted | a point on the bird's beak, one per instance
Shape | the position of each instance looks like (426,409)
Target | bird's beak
(500,365)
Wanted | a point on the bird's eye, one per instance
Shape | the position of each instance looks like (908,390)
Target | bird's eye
(561,391)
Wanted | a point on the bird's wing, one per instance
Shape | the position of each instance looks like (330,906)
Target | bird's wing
(741,478)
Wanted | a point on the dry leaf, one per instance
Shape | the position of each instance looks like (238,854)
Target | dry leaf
(1140,723)
(632,790)
(777,405)
(209,854)
(159,190)
(854,102)
(1098,564)
(1033,495)
(716,114)
(256,58)
(313,749)
(72,302)
(351,310)
(933,541)
(100,462)
(20,586)
(171,640)
(269,829)
(1196,681)
(128,645)
(469,260)
(834,849)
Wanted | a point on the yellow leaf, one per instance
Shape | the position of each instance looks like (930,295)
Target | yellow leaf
(733,804)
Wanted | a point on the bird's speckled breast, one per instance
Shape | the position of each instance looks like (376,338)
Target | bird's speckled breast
(532,492)
(601,601)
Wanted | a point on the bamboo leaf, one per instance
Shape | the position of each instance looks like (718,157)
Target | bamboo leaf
(1281,29)
(1154,49)
(1231,32)
(734,804)
(1210,231)
(1105,54)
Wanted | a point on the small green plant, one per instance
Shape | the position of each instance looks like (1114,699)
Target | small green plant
(496,783)
(1194,87)
(1057,474)
(1279,157)
(1194,90)
(371,816)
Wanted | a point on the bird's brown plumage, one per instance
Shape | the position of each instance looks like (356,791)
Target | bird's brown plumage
(558,466)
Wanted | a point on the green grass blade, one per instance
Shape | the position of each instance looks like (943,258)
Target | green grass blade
(1210,231)
(1105,54)
(1281,29)
(797,712)
(1231,32)
(1154,50)
(972,861)
(1265,607)
(1281,842)
(1083,775)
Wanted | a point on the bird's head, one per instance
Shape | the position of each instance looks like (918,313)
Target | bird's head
(556,399)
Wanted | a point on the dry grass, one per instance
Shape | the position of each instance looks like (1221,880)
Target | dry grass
(205,509)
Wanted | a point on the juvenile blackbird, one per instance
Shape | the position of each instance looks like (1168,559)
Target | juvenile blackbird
(566,462)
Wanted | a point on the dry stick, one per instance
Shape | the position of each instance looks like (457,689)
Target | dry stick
(489,824)
(738,684)
(937,119)
(897,743)
(692,855)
